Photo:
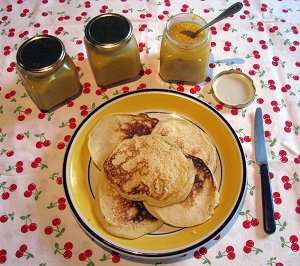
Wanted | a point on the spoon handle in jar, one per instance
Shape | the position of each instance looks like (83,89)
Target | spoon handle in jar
(236,7)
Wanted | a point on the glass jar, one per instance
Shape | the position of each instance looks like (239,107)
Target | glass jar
(112,49)
(183,58)
(47,72)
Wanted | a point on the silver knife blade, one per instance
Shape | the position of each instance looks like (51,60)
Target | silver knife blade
(260,144)
(262,160)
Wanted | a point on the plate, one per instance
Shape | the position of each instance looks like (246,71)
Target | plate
(79,175)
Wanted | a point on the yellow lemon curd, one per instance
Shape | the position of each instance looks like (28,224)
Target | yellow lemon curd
(176,29)
(183,58)
(55,89)
(114,65)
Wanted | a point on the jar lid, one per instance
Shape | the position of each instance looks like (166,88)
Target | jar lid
(233,89)
(108,30)
(40,54)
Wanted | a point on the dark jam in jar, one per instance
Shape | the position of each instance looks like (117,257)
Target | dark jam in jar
(112,50)
(47,72)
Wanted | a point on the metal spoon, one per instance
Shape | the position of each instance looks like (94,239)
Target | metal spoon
(225,14)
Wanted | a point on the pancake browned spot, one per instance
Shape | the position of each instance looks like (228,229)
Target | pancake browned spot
(198,207)
(150,168)
(190,138)
(122,217)
(114,128)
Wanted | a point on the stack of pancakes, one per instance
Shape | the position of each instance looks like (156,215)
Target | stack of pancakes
(152,172)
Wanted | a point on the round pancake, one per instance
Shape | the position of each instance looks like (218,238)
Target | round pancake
(150,168)
(114,128)
(121,217)
(198,207)
(191,139)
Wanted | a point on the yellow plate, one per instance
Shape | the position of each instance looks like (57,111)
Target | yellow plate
(79,175)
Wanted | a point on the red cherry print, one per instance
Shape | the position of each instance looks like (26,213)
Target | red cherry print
(254,222)
(293,239)
(39,144)
(250,243)
(34,165)
(115,259)
(59,180)
(219,107)
(3,258)
(256,66)
(31,187)
(277,216)
(67,254)
(21,117)
(231,255)
(19,164)
(61,145)
(277,198)
(5,195)
(246,224)
(88,253)
(276,195)
(62,206)
(56,221)
(282,153)
(125,89)
(148,71)
(41,115)
(229,249)
(203,250)
(27,193)
(197,255)
(61,201)
(46,143)
(20,136)
(247,249)
(32,227)
(12,187)
(24,228)
(295,247)
(3,219)
(68,246)
(234,111)
(19,254)
(82,257)
(48,230)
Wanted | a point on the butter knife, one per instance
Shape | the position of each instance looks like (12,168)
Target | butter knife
(262,160)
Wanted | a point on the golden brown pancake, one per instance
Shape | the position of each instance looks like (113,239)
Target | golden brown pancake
(191,139)
(114,128)
(198,207)
(121,217)
(150,168)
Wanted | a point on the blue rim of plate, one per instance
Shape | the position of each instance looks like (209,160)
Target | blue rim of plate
(224,228)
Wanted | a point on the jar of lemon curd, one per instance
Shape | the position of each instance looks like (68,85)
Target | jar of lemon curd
(183,58)
(112,49)
(47,72)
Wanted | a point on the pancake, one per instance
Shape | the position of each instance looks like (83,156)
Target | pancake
(150,168)
(198,207)
(191,139)
(114,128)
(121,217)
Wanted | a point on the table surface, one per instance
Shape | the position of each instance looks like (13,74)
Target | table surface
(262,40)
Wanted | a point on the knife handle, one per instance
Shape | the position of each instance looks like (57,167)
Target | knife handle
(267,200)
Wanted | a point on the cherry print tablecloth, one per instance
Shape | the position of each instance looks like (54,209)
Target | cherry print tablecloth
(262,40)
